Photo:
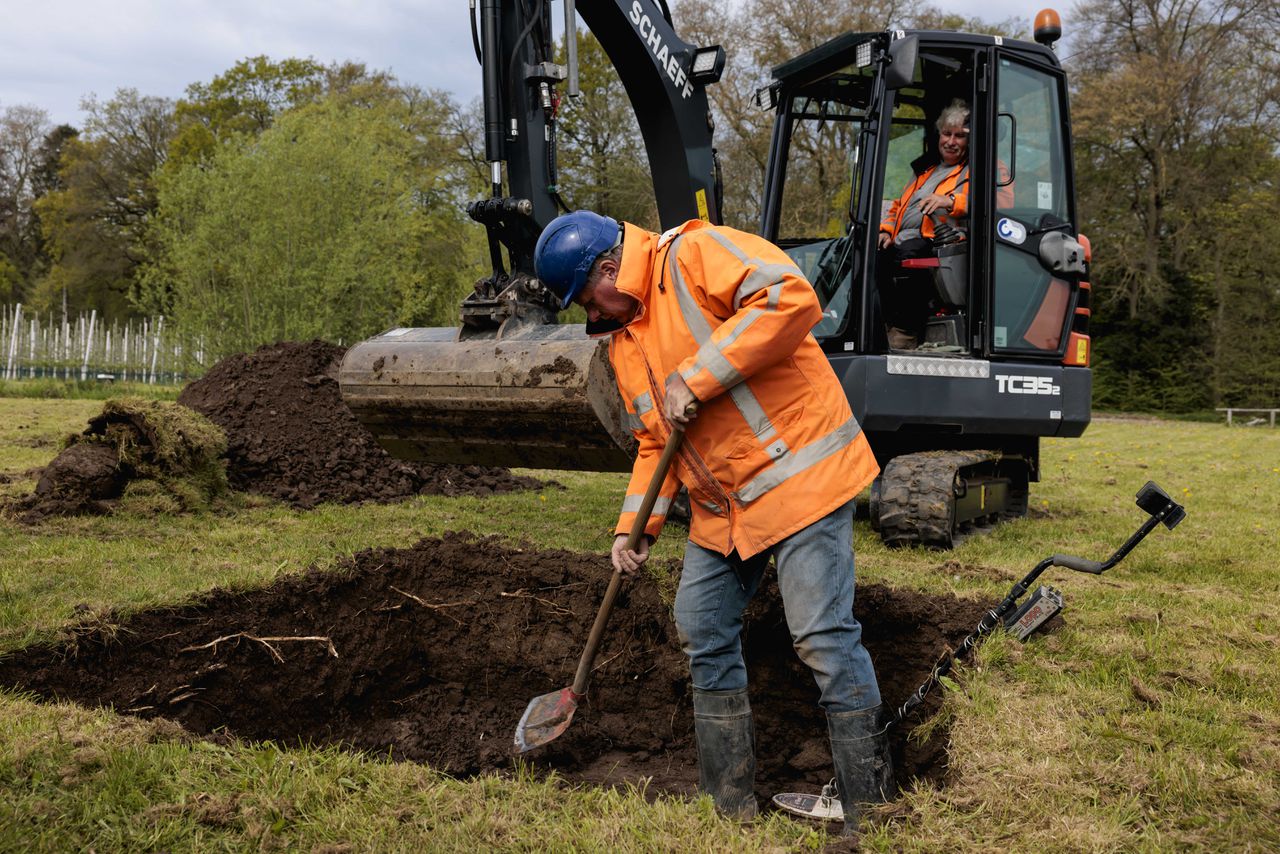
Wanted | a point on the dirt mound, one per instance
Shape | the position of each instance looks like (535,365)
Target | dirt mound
(131,440)
(289,435)
(433,652)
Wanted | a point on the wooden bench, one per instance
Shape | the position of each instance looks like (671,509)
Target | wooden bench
(1230,410)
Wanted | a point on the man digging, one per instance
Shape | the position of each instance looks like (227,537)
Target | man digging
(710,328)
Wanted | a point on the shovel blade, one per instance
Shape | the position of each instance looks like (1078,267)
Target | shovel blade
(545,718)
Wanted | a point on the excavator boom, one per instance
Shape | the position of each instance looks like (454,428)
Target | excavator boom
(510,386)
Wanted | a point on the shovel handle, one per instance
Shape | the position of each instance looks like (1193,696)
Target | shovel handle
(633,540)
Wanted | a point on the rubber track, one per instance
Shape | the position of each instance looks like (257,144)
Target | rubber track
(917,497)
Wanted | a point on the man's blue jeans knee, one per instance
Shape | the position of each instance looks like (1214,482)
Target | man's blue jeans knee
(816,578)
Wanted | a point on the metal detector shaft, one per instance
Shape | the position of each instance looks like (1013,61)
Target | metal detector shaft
(1151,498)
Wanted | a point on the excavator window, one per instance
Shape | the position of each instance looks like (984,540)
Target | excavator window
(1030,307)
(826,147)
(928,273)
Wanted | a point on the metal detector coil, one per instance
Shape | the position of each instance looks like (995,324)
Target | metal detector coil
(822,807)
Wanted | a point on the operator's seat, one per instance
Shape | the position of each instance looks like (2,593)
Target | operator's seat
(948,269)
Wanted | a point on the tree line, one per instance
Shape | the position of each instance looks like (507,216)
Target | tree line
(280,200)
(289,199)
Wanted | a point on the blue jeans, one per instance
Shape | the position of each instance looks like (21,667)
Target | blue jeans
(815,577)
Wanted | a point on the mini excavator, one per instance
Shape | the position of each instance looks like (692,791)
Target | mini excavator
(955,423)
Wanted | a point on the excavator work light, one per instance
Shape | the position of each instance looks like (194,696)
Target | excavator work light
(708,65)
(862,55)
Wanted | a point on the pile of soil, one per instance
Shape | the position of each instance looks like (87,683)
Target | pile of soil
(432,653)
(290,436)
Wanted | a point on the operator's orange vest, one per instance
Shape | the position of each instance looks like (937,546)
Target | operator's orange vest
(774,446)
(955,184)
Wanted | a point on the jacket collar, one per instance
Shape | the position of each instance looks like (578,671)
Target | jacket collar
(641,250)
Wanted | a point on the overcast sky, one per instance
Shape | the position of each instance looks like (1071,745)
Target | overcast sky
(55,52)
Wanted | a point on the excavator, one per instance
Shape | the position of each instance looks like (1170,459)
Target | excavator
(955,422)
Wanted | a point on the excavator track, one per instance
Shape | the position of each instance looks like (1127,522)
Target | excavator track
(936,498)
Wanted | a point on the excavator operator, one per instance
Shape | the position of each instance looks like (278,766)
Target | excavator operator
(932,210)
(909,228)
(712,331)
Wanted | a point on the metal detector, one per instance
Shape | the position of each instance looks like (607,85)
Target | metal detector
(1151,498)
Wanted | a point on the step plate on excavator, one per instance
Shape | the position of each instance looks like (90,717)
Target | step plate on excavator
(547,399)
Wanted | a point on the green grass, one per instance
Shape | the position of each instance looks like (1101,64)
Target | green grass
(1150,722)
(58,389)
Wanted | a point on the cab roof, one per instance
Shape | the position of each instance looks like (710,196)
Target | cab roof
(839,51)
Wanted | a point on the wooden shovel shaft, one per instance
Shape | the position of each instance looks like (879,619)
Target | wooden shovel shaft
(633,540)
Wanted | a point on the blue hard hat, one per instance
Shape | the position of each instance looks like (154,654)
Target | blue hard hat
(567,248)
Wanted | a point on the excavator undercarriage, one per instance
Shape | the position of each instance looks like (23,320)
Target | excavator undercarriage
(936,498)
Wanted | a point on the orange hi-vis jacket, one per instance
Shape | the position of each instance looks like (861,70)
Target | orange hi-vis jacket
(774,446)
(956,185)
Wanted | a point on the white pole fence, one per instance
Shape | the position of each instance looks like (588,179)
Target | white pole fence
(86,347)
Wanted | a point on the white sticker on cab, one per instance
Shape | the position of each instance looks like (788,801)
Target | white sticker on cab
(1011,230)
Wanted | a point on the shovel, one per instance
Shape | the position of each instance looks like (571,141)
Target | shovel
(550,714)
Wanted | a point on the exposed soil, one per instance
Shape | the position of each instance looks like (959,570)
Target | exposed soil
(444,680)
(79,481)
(290,436)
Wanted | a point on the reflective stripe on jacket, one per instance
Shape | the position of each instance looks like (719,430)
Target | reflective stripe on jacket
(775,446)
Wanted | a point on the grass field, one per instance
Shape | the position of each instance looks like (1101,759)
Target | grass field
(1150,722)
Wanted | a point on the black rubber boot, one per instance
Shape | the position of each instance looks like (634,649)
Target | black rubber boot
(864,769)
(726,750)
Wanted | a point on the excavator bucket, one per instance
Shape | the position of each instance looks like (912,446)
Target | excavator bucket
(544,399)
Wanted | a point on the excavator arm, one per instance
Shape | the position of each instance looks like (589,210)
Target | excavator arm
(510,386)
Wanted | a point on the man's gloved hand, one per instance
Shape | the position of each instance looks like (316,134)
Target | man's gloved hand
(626,561)
(679,406)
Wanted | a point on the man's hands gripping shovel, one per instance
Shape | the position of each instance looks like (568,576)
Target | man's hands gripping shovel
(679,406)
(550,714)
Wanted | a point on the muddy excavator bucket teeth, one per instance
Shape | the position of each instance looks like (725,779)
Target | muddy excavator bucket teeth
(545,718)
(547,399)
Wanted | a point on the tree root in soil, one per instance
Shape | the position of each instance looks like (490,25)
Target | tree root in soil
(266,642)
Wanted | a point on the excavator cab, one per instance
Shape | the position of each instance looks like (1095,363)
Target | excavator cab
(846,142)
(956,419)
